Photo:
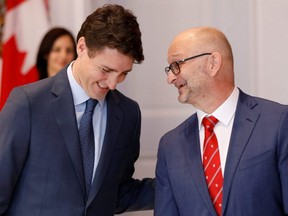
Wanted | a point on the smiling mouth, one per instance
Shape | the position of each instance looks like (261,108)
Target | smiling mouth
(180,86)
(102,86)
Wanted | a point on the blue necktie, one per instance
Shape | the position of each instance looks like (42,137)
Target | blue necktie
(87,141)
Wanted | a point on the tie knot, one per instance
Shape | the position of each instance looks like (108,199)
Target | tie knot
(209,122)
(90,105)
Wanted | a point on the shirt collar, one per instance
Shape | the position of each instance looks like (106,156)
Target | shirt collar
(79,95)
(223,113)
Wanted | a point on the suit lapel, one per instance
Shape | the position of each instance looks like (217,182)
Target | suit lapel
(191,148)
(114,121)
(64,112)
(244,123)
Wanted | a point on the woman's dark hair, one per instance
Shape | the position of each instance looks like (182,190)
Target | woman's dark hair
(46,46)
(114,27)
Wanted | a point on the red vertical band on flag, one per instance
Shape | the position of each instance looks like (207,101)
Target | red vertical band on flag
(12,3)
(22,33)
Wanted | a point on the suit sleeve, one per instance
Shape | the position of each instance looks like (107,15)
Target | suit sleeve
(14,141)
(165,204)
(283,158)
(135,194)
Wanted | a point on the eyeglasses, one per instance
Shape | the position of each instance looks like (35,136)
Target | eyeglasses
(175,66)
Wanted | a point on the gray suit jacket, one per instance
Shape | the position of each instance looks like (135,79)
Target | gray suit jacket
(256,170)
(41,169)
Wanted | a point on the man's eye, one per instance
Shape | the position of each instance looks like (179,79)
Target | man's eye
(105,70)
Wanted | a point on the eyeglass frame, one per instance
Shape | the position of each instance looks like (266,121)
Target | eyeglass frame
(169,68)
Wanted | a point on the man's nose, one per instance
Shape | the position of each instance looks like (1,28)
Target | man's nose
(171,77)
(112,82)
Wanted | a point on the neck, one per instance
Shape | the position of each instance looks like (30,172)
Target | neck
(214,100)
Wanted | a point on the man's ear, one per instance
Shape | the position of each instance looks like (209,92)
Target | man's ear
(81,46)
(215,61)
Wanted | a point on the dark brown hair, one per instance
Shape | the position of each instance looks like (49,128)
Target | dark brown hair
(46,46)
(114,27)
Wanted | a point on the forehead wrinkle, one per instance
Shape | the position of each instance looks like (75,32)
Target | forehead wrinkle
(181,47)
(114,70)
(175,53)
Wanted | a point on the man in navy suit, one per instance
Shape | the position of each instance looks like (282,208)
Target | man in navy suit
(252,136)
(41,168)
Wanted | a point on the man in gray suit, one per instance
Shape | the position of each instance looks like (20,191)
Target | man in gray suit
(249,168)
(42,168)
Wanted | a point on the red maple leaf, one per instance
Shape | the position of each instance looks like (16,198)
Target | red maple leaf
(11,70)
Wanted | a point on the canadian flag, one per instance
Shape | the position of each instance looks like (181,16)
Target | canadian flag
(26,22)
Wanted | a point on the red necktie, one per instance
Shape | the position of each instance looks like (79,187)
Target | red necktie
(212,164)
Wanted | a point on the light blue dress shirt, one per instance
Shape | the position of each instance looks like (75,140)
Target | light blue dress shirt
(99,116)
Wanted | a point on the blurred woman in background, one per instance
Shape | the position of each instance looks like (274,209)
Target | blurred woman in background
(56,50)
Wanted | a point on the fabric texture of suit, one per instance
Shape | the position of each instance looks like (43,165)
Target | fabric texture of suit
(256,170)
(41,169)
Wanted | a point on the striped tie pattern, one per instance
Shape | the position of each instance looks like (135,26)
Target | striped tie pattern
(212,164)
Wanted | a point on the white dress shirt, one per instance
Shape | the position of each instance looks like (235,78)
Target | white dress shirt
(225,114)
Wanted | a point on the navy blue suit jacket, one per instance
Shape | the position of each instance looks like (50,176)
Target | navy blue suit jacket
(41,169)
(256,170)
